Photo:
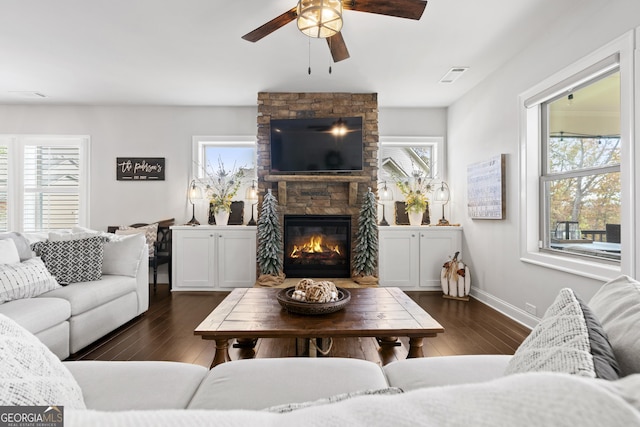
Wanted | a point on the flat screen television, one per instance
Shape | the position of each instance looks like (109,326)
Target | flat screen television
(316,145)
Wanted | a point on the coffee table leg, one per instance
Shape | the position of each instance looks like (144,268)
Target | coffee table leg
(222,352)
(415,348)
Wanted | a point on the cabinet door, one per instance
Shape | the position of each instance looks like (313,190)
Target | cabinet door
(399,258)
(194,255)
(236,259)
(436,246)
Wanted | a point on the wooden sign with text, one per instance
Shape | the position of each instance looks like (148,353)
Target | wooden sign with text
(140,168)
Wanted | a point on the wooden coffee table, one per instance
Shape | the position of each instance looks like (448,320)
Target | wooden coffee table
(251,313)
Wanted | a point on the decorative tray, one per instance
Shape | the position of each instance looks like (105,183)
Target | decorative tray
(312,308)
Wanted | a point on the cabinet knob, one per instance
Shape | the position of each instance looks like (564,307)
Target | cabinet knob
(413,235)
(422,235)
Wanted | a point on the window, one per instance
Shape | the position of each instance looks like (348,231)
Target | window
(576,179)
(580,178)
(233,152)
(43,182)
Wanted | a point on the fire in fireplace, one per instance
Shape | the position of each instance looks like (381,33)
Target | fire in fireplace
(317,245)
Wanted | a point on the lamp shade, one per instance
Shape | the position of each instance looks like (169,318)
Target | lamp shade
(252,193)
(195,192)
(320,18)
(384,193)
(441,193)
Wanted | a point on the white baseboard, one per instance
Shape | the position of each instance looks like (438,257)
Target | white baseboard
(505,308)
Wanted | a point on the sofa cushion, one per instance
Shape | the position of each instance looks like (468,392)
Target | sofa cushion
(122,386)
(410,374)
(88,295)
(261,382)
(8,252)
(30,374)
(122,255)
(37,314)
(21,242)
(534,399)
(617,306)
(569,340)
(73,261)
(25,280)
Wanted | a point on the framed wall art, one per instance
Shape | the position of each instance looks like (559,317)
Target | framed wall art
(140,168)
(486,189)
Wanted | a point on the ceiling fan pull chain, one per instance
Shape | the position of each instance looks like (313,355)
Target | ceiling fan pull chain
(309,69)
(329,55)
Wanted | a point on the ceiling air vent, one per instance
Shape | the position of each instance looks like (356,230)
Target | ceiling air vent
(453,74)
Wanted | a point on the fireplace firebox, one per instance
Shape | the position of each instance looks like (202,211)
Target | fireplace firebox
(317,245)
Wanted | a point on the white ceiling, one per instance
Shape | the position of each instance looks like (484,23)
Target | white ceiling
(189,52)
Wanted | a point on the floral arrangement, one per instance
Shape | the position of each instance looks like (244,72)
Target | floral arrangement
(221,185)
(415,190)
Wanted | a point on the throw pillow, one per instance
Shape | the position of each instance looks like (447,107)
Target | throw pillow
(25,280)
(30,374)
(72,261)
(122,255)
(150,233)
(8,252)
(289,407)
(617,306)
(22,243)
(562,342)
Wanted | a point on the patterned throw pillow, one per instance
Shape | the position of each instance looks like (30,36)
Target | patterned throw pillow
(26,279)
(30,374)
(568,339)
(72,261)
(150,233)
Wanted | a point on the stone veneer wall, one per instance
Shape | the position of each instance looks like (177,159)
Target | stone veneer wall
(319,193)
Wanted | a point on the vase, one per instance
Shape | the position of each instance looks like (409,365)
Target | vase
(415,218)
(221,216)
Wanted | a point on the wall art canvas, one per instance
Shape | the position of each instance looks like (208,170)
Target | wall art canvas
(486,189)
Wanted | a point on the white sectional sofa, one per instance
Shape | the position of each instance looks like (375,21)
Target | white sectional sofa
(69,318)
(560,386)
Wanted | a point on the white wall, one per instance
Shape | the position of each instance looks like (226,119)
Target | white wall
(134,132)
(485,122)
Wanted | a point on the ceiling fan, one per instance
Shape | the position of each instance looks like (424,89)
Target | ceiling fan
(323,19)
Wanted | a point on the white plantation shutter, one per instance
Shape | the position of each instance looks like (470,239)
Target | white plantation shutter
(43,182)
(4,189)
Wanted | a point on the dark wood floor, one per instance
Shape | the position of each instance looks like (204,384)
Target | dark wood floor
(165,332)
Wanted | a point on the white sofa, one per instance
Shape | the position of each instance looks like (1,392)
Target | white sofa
(555,388)
(69,318)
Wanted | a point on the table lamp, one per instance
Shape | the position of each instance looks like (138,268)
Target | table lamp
(442,195)
(194,194)
(252,197)
(384,195)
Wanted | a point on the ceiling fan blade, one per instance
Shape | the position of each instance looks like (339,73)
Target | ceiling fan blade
(410,9)
(271,26)
(338,47)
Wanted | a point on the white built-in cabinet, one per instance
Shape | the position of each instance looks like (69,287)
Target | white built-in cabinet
(412,257)
(211,257)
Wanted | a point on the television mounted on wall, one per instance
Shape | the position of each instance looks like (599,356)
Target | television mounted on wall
(316,145)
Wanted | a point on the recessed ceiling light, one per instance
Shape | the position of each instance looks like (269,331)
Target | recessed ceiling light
(453,74)
(27,94)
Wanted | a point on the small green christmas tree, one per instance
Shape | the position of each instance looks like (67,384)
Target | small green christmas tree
(366,250)
(269,237)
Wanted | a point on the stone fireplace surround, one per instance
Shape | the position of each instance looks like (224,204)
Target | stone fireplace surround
(319,193)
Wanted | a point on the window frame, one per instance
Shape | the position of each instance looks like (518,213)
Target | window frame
(436,142)
(621,52)
(16,144)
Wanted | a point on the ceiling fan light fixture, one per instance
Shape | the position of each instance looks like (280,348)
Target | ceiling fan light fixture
(319,18)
